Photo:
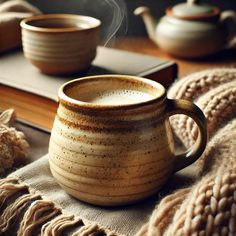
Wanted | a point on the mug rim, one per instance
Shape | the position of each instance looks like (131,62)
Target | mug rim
(67,100)
(25,23)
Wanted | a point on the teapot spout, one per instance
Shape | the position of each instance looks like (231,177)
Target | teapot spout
(148,19)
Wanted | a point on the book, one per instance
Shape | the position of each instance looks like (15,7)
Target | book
(32,93)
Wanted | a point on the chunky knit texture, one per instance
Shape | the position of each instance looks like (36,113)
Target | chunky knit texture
(209,206)
(214,91)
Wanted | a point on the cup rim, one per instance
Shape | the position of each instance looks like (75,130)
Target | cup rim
(25,23)
(67,100)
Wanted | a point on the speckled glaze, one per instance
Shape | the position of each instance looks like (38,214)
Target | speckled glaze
(60,44)
(117,154)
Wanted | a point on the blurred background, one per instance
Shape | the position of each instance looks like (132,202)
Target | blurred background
(107,9)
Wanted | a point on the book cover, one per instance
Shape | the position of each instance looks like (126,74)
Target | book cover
(34,95)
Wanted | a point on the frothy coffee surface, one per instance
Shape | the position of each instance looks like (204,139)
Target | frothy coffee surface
(117,97)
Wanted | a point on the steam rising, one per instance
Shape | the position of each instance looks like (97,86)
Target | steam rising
(112,13)
(119,19)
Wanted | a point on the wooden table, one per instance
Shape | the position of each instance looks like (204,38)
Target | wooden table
(41,111)
(226,58)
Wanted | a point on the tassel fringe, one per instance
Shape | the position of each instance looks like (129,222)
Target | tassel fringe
(27,213)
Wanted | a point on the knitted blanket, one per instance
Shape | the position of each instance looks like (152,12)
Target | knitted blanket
(205,207)
(208,207)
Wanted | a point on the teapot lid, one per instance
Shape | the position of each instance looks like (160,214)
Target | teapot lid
(193,10)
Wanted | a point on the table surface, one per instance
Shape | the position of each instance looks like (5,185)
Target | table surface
(41,111)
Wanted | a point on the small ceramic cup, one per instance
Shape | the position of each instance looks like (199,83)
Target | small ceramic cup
(60,44)
(111,142)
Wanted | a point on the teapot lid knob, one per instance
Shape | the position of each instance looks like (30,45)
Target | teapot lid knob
(193,10)
(191,2)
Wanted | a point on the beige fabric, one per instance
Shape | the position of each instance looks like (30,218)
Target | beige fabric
(125,220)
(11,13)
(209,206)
(214,91)
(17,6)
(13,145)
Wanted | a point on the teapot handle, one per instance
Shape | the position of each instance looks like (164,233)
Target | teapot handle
(228,19)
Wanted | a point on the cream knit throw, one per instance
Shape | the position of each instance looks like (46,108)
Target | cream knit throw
(214,91)
(209,206)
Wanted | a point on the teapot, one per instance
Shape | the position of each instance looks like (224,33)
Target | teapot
(191,29)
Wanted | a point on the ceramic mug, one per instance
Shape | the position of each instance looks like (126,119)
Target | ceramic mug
(111,142)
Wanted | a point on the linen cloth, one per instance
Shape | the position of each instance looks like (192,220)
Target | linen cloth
(122,220)
(125,220)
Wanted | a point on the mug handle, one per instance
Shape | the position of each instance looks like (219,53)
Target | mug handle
(188,108)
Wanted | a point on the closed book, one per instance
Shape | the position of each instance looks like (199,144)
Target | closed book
(21,82)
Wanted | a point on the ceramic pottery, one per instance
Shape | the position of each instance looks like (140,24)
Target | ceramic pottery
(111,142)
(192,29)
(60,44)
